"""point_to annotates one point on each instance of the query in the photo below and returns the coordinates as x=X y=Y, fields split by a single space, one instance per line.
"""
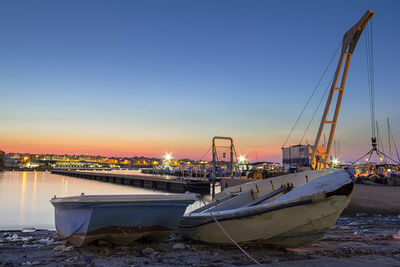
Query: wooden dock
x=153 y=182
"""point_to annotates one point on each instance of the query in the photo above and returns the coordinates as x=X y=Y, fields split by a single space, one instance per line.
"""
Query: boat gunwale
x=125 y=198
x=254 y=211
x=249 y=214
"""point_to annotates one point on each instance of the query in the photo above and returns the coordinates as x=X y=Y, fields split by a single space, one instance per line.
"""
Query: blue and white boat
x=118 y=219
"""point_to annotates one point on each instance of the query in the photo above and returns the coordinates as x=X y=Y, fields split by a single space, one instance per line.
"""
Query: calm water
x=24 y=196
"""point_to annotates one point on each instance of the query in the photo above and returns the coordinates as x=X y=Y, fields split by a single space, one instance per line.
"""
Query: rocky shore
x=357 y=241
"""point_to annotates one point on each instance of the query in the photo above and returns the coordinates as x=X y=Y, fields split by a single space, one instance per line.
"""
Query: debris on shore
x=357 y=241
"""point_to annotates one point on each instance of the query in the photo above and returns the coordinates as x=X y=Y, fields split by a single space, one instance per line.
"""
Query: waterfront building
x=2 y=158
x=298 y=155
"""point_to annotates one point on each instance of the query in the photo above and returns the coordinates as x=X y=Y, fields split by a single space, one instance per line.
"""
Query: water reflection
x=34 y=194
x=22 y=199
x=24 y=196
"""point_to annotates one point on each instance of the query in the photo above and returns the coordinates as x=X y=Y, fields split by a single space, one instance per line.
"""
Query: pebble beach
x=363 y=240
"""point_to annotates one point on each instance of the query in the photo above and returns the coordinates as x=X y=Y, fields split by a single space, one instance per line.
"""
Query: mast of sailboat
x=380 y=144
x=319 y=159
x=390 y=147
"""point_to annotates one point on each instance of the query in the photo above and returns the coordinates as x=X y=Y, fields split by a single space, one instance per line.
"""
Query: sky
x=126 y=78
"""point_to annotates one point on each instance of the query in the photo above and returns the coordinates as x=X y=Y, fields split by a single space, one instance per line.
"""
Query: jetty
x=160 y=183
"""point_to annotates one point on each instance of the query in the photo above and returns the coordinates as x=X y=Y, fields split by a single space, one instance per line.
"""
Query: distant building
x=2 y=158
x=298 y=155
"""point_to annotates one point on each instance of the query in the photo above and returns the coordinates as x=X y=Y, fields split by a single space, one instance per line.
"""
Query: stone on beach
x=179 y=246
x=105 y=251
x=340 y=247
x=68 y=249
x=59 y=248
x=397 y=236
x=46 y=241
x=148 y=251
x=31 y=263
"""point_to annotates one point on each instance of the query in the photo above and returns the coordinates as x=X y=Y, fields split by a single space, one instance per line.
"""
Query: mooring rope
x=233 y=241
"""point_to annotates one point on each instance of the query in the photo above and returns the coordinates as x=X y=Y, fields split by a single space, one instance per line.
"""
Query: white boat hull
x=291 y=223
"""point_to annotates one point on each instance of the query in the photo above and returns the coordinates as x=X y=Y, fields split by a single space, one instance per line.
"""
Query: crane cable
x=370 y=72
x=312 y=94
x=316 y=109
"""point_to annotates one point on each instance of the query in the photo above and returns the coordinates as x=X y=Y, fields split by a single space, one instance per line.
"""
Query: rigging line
x=394 y=143
x=380 y=140
x=369 y=81
x=369 y=158
x=315 y=112
x=395 y=161
x=205 y=154
x=360 y=158
x=372 y=65
x=309 y=99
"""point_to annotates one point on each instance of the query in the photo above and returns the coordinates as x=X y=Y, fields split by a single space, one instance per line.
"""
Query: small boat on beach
x=286 y=211
x=119 y=219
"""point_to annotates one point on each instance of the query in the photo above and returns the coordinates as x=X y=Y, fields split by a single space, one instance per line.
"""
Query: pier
x=159 y=183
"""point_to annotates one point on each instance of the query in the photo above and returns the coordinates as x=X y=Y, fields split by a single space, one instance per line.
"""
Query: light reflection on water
x=24 y=196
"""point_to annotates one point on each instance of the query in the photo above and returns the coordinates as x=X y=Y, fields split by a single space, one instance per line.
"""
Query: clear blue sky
x=148 y=77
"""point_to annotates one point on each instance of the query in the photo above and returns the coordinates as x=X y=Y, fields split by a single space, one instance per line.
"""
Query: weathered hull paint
x=118 y=222
x=285 y=222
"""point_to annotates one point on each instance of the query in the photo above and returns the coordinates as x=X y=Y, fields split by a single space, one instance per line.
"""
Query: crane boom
x=319 y=159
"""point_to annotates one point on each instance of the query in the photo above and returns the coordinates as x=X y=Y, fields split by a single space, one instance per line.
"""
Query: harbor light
x=335 y=161
x=167 y=156
x=366 y=160
x=242 y=159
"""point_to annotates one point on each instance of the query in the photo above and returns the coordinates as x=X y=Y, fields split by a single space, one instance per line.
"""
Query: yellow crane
x=319 y=158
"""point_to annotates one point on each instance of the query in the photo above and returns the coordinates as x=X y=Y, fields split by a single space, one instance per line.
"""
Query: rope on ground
x=233 y=241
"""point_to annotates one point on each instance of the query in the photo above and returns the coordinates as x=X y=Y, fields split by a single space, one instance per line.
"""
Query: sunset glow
x=142 y=82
